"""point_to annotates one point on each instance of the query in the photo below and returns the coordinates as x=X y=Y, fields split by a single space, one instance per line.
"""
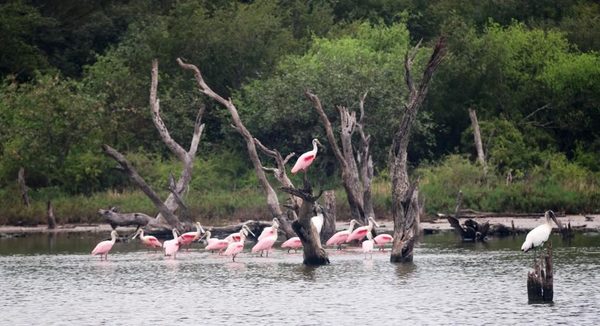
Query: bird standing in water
x=105 y=246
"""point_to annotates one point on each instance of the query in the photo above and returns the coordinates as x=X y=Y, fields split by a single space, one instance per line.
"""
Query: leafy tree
x=339 y=71
x=50 y=127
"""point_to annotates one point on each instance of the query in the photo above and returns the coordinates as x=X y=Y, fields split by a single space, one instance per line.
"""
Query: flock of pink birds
x=234 y=243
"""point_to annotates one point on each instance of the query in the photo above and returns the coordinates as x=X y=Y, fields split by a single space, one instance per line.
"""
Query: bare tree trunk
x=314 y=254
x=50 y=216
x=167 y=208
x=329 y=221
x=356 y=183
x=272 y=200
x=477 y=139
x=402 y=198
x=23 y=187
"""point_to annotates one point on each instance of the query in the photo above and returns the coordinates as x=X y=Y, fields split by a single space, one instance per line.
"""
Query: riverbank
x=582 y=223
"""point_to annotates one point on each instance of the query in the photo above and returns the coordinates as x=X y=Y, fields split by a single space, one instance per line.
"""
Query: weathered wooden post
x=329 y=213
x=50 y=216
x=540 y=281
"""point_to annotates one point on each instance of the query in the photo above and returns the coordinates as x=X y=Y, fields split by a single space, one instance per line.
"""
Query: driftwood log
x=314 y=254
x=405 y=197
x=470 y=231
x=540 y=281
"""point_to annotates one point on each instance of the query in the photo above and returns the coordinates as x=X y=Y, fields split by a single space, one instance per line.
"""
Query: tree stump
x=314 y=254
x=50 y=217
x=329 y=215
x=540 y=284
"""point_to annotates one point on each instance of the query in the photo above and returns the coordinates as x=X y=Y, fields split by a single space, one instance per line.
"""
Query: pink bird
x=341 y=236
x=236 y=247
x=105 y=246
x=148 y=240
x=235 y=237
x=188 y=238
x=266 y=243
x=215 y=244
x=172 y=246
x=362 y=231
x=367 y=245
x=306 y=159
x=382 y=239
x=292 y=243
x=268 y=230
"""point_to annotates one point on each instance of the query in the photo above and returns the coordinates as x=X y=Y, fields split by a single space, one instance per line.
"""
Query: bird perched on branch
x=306 y=159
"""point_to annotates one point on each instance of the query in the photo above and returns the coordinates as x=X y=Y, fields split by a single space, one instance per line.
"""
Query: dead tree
x=166 y=217
x=540 y=281
x=23 y=187
x=402 y=198
x=314 y=254
x=272 y=200
x=477 y=140
x=329 y=207
x=356 y=177
x=50 y=216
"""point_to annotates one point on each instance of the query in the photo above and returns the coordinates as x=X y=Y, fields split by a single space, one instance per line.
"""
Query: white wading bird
x=538 y=236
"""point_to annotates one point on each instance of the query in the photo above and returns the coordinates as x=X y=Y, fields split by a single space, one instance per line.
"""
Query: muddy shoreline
x=579 y=223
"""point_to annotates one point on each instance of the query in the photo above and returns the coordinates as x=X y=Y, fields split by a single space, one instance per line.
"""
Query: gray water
x=52 y=280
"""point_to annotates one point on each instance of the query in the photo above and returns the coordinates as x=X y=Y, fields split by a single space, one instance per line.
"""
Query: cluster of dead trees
x=351 y=149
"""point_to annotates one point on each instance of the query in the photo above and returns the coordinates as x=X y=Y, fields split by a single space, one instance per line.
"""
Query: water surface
x=52 y=280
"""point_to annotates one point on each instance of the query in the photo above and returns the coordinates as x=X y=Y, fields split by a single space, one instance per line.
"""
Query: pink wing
x=102 y=247
x=264 y=244
x=217 y=245
x=338 y=238
x=293 y=243
x=383 y=239
x=358 y=234
x=234 y=248
x=154 y=242
x=303 y=162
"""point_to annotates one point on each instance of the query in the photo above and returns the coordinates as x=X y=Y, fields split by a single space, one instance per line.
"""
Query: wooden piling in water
x=540 y=281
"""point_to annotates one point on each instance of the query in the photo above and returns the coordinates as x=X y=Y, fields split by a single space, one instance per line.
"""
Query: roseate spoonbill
x=268 y=230
x=147 y=240
x=292 y=243
x=105 y=246
x=362 y=231
x=306 y=159
x=340 y=237
x=172 y=246
x=538 y=236
x=187 y=238
x=236 y=247
x=266 y=243
x=367 y=245
x=382 y=239
x=235 y=237
x=215 y=244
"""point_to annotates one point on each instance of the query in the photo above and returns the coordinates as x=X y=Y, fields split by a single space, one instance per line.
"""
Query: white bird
x=367 y=245
x=536 y=237
x=317 y=221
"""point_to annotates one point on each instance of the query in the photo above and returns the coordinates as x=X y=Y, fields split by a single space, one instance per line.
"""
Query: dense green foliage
x=75 y=75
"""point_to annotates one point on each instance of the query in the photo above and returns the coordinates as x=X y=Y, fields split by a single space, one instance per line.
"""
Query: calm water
x=52 y=280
